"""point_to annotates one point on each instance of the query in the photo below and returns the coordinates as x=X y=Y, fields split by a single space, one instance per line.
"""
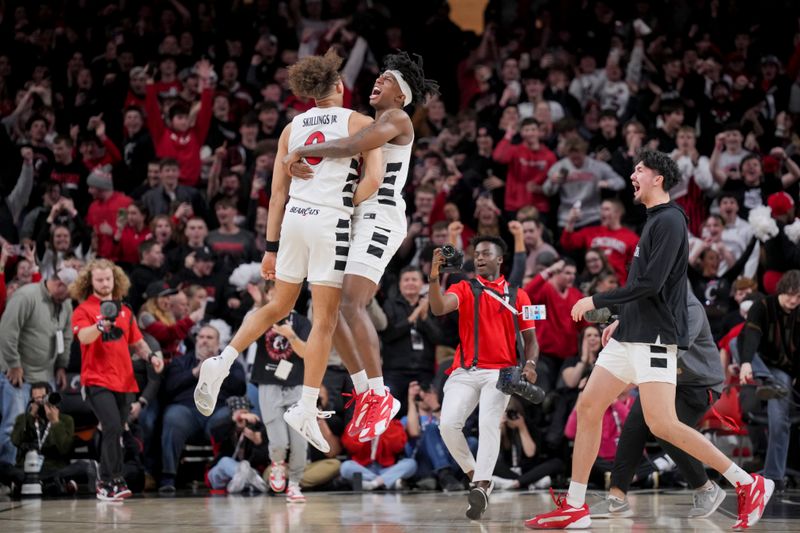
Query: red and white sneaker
x=752 y=500
x=277 y=476
x=356 y=425
x=380 y=411
x=564 y=517
x=294 y=495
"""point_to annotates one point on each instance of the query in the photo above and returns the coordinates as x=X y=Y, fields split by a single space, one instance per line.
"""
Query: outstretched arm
x=383 y=130
x=280 y=189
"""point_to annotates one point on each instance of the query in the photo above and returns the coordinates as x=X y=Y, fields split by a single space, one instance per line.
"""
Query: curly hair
x=81 y=288
x=314 y=76
x=411 y=69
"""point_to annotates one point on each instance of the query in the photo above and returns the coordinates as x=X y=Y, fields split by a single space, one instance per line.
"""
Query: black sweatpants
x=691 y=403
x=111 y=409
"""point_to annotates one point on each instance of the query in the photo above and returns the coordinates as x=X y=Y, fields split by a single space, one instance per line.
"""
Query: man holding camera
x=107 y=330
x=491 y=320
x=44 y=431
x=34 y=346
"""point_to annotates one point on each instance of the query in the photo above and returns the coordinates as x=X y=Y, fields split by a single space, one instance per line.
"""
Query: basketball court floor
x=363 y=513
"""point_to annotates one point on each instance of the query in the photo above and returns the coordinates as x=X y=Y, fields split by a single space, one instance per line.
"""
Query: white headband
x=404 y=87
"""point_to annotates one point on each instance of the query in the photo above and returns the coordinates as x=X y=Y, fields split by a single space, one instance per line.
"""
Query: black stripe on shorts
x=379 y=238
x=339 y=265
x=374 y=250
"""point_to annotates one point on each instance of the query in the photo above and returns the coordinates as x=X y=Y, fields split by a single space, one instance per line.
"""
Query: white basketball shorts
x=372 y=246
x=314 y=244
x=637 y=363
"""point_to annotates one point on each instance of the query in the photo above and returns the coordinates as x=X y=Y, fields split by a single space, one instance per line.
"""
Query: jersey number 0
x=315 y=138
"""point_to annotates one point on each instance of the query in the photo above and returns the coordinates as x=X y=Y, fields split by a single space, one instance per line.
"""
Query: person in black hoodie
x=652 y=325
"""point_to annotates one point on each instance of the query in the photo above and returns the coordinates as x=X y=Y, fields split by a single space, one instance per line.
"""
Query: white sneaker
x=306 y=424
x=293 y=494
x=501 y=483
x=240 y=478
x=256 y=482
x=213 y=372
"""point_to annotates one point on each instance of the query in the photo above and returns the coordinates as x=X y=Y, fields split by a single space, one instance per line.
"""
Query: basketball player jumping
x=379 y=227
x=653 y=323
x=307 y=237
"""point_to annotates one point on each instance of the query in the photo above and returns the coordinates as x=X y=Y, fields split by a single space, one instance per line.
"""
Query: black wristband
x=272 y=246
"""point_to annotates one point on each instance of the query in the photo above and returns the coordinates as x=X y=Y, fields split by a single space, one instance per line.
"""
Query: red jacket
x=100 y=212
x=185 y=147
x=390 y=444
x=170 y=337
x=128 y=247
x=558 y=333
x=619 y=245
x=111 y=156
x=524 y=166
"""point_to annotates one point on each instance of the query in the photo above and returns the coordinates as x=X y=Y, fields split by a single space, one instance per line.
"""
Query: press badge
x=283 y=370
x=59 y=342
x=534 y=312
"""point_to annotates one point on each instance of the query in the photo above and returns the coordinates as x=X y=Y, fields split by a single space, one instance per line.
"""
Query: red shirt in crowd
x=496 y=338
x=619 y=245
x=184 y=147
x=111 y=156
x=558 y=333
x=129 y=243
x=390 y=444
x=106 y=211
x=525 y=167
x=107 y=363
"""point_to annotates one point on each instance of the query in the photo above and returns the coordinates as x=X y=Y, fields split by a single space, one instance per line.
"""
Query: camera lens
x=53 y=399
x=448 y=251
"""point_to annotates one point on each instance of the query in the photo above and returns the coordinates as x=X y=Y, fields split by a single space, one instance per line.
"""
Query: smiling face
x=594 y=263
x=411 y=285
x=386 y=93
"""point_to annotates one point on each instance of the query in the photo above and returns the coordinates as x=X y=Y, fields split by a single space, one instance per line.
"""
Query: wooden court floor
x=362 y=513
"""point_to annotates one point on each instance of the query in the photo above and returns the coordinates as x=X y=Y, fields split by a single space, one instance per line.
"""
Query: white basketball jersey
x=387 y=202
x=334 y=179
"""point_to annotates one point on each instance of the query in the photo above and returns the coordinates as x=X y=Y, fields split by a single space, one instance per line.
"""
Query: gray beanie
x=100 y=178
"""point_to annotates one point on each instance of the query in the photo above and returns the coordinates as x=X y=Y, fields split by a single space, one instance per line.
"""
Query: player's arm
x=373 y=134
x=280 y=188
x=372 y=176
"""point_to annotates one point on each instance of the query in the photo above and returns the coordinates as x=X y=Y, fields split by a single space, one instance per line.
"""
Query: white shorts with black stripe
x=638 y=363
x=314 y=244
x=372 y=246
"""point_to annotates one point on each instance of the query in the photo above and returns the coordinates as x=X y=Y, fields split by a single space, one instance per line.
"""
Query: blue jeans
x=252 y=395
x=402 y=469
x=147 y=422
x=222 y=473
x=180 y=424
x=432 y=454
x=13 y=401
x=778 y=417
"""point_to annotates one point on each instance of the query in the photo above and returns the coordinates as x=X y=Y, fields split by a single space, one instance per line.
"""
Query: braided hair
x=413 y=73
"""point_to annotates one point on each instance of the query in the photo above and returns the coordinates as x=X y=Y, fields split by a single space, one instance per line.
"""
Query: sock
x=309 y=399
x=377 y=386
x=229 y=354
x=736 y=476
x=576 y=495
x=360 y=382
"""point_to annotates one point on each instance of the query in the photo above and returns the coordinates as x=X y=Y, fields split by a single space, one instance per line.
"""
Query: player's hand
x=301 y=170
x=580 y=308
x=268 y=265
x=608 y=332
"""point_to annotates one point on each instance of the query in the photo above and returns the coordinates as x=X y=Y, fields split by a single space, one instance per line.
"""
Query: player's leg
x=214 y=370
x=302 y=416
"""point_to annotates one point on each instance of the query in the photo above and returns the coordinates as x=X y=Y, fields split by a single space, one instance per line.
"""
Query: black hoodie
x=652 y=305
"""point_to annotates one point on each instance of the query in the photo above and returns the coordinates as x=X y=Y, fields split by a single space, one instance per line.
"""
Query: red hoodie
x=524 y=166
x=185 y=147
x=558 y=333
x=619 y=245
x=111 y=156
x=390 y=444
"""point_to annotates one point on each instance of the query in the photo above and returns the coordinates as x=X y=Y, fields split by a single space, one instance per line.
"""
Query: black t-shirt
x=752 y=196
x=272 y=348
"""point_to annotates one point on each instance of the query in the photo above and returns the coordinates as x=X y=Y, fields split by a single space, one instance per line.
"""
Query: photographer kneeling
x=106 y=328
x=490 y=317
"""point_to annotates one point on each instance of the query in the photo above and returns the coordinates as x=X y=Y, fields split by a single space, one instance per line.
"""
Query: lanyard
x=43 y=437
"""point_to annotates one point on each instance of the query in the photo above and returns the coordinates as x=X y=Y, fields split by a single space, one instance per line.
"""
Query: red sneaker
x=356 y=425
x=753 y=498
x=564 y=517
x=380 y=411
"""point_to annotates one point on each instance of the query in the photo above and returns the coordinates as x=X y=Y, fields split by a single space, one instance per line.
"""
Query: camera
x=512 y=381
x=453 y=259
x=109 y=310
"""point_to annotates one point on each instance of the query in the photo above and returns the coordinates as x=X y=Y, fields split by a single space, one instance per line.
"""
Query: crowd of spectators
x=145 y=133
